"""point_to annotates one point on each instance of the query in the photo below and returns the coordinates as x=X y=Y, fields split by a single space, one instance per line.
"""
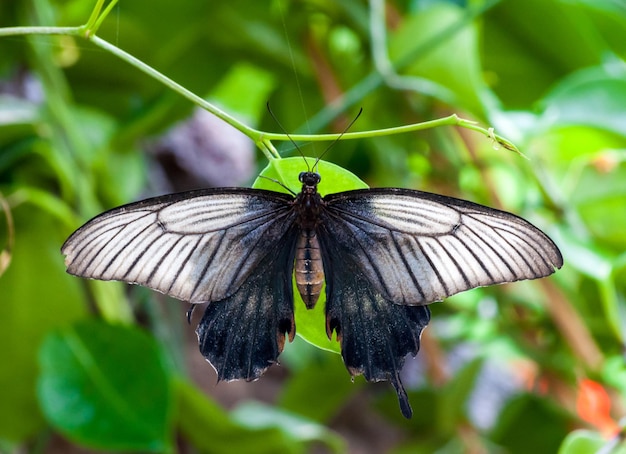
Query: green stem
x=96 y=26
x=95 y=13
x=452 y=120
x=20 y=31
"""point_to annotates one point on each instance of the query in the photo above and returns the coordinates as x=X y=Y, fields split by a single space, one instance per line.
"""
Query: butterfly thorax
x=308 y=203
x=308 y=267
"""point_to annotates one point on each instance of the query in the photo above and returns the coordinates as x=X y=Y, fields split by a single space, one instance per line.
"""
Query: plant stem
x=92 y=31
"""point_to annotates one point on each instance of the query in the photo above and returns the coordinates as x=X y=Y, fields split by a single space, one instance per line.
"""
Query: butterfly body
x=384 y=255
x=309 y=269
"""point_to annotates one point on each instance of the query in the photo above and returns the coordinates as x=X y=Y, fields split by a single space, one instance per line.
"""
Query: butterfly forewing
x=197 y=246
x=417 y=247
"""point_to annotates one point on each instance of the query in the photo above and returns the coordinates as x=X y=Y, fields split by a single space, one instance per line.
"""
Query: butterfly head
x=309 y=180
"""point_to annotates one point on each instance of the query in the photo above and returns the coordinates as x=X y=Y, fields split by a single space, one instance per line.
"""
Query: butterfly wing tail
x=375 y=334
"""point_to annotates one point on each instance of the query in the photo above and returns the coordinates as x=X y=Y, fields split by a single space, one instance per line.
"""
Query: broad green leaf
x=105 y=387
x=123 y=175
x=564 y=145
x=310 y=324
x=334 y=178
x=527 y=47
x=36 y=295
x=453 y=398
x=614 y=373
x=245 y=90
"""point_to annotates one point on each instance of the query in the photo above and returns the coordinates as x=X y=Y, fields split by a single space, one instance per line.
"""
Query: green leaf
x=310 y=324
x=36 y=296
x=614 y=373
x=454 y=396
x=527 y=47
x=253 y=427
x=562 y=145
x=585 y=258
x=210 y=429
x=245 y=90
x=585 y=442
x=106 y=387
x=590 y=97
x=287 y=170
x=441 y=50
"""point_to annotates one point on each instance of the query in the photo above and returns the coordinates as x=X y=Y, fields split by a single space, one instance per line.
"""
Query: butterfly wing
x=389 y=252
x=197 y=246
x=416 y=247
x=233 y=248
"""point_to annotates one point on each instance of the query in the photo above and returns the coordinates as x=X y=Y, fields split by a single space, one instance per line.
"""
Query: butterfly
x=384 y=254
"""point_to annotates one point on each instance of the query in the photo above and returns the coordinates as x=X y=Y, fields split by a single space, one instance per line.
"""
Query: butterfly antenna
x=279 y=183
x=332 y=144
x=287 y=134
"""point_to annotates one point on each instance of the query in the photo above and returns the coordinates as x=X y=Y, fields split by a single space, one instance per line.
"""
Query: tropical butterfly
x=384 y=255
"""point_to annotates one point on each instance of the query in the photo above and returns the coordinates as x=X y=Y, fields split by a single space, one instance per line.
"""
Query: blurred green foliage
x=530 y=366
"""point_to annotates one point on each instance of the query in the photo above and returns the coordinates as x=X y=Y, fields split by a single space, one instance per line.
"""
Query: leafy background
x=529 y=366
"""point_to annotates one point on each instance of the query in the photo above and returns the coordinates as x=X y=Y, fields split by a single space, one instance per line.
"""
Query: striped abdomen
x=309 y=269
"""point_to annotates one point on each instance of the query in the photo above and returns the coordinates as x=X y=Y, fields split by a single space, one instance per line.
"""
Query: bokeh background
x=526 y=367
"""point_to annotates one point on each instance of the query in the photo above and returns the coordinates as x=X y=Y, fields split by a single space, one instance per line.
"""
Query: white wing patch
x=430 y=219
x=197 y=249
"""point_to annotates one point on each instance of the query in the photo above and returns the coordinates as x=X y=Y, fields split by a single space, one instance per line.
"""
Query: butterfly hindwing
x=417 y=248
x=375 y=334
x=243 y=334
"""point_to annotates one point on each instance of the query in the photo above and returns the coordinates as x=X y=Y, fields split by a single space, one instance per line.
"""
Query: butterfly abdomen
x=309 y=269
